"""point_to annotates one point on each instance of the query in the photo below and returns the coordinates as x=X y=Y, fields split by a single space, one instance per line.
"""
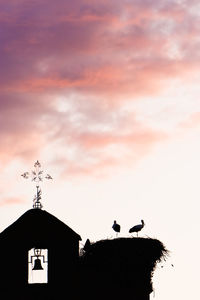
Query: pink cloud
x=193 y=121
x=95 y=152
x=100 y=54
x=11 y=201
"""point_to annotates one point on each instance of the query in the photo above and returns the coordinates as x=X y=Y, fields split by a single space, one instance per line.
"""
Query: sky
x=105 y=94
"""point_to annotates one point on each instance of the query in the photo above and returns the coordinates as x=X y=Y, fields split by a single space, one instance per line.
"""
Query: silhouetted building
x=39 y=241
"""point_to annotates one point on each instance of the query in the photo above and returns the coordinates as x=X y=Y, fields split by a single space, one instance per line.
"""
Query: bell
x=37 y=264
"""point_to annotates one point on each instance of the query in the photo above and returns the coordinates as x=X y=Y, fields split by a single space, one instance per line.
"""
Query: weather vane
x=37 y=176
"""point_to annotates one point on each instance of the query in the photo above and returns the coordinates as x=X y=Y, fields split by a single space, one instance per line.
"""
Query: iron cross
x=37 y=175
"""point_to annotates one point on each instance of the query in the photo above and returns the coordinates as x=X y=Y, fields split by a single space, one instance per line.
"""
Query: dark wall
x=62 y=262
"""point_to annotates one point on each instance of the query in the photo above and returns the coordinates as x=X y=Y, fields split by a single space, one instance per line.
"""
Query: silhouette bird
x=116 y=227
x=137 y=228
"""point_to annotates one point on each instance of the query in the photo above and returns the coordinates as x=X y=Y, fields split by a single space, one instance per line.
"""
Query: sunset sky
x=105 y=94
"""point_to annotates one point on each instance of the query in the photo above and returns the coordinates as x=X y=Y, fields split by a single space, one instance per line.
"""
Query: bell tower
x=37 y=258
x=38 y=248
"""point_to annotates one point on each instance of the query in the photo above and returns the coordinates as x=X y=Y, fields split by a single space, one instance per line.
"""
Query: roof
x=37 y=224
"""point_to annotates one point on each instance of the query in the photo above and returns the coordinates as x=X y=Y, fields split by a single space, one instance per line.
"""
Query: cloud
x=68 y=69
x=48 y=47
x=193 y=121
x=11 y=201
x=21 y=127
x=93 y=141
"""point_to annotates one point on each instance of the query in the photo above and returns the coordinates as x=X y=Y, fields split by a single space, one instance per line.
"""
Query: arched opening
x=37 y=266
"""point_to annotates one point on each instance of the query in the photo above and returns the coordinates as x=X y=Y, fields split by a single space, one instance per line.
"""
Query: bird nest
x=130 y=260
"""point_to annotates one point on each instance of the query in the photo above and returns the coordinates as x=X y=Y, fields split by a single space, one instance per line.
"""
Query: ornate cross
x=37 y=176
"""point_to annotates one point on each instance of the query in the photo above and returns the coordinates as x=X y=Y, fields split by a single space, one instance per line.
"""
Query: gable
x=41 y=225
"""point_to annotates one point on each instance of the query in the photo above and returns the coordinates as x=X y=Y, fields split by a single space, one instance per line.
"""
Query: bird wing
x=135 y=228
x=116 y=227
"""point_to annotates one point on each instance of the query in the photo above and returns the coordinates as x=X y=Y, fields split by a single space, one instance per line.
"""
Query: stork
x=116 y=227
x=137 y=228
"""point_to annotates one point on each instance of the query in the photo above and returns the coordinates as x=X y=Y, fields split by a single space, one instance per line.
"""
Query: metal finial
x=37 y=176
